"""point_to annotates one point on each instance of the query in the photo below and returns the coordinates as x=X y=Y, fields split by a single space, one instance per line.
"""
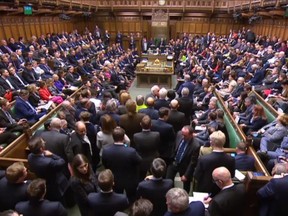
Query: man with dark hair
x=13 y=186
x=185 y=157
x=37 y=205
x=167 y=135
x=146 y=144
x=141 y=207
x=107 y=202
x=155 y=187
x=48 y=166
x=124 y=162
x=243 y=162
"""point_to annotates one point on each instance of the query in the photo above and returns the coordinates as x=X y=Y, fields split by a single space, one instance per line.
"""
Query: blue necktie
x=180 y=151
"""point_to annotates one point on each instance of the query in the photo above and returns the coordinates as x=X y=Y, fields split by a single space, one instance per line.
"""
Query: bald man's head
x=174 y=104
x=222 y=177
x=150 y=102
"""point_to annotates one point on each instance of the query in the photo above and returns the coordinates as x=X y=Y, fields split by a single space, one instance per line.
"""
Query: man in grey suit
x=56 y=142
x=146 y=144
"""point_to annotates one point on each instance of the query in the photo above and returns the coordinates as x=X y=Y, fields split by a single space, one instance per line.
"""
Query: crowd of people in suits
x=102 y=145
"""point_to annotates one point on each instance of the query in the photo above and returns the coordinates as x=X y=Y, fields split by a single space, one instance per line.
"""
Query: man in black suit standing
x=207 y=163
x=37 y=205
x=229 y=201
x=107 y=202
x=48 y=166
x=176 y=118
x=124 y=162
x=146 y=144
x=150 y=110
x=13 y=186
x=154 y=188
x=186 y=105
x=167 y=135
x=185 y=157
x=57 y=142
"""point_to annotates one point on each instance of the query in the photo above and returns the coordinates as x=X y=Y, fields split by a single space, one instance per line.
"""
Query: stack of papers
x=199 y=196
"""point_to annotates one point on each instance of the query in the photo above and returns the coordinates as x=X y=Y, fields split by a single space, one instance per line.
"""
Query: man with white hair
x=229 y=201
x=154 y=92
x=161 y=101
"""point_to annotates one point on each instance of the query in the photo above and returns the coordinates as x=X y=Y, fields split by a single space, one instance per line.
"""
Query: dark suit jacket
x=195 y=209
x=4 y=121
x=56 y=142
x=51 y=169
x=107 y=204
x=123 y=162
x=43 y=208
x=273 y=197
x=186 y=106
x=244 y=162
x=131 y=124
x=167 y=137
x=206 y=165
x=155 y=190
x=29 y=76
x=77 y=145
x=12 y=194
x=17 y=82
x=161 y=103
x=146 y=144
x=176 y=119
x=81 y=190
x=189 y=160
x=23 y=110
x=151 y=112
x=228 y=202
x=6 y=86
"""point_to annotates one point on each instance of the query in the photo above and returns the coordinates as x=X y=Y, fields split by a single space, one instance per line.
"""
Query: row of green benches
x=252 y=181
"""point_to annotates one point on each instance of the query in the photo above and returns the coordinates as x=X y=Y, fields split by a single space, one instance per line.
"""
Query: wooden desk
x=149 y=74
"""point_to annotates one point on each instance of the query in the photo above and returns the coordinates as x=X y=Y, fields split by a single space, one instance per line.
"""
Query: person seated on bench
x=243 y=162
x=23 y=109
x=272 y=138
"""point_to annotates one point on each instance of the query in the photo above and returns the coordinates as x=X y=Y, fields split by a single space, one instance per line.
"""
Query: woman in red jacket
x=45 y=94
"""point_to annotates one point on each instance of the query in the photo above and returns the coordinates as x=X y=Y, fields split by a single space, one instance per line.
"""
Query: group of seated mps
x=39 y=75
x=101 y=146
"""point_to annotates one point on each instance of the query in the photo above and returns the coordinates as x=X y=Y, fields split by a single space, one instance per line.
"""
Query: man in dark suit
x=243 y=162
x=188 y=84
x=186 y=105
x=28 y=74
x=56 y=142
x=207 y=163
x=6 y=82
x=17 y=78
x=273 y=195
x=167 y=135
x=203 y=118
x=146 y=144
x=37 y=205
x=150 y=111
x=79 y=143
x=107 y=202
x=13 y=186
x=124 y=162
x=185 y=157
x=23 y=109
x=7 y=120
x=48 y=166
x=176 y=118
x=229 y=201
x=245 y=117
x=161 y=101
x=154 y=188
x=177 y=201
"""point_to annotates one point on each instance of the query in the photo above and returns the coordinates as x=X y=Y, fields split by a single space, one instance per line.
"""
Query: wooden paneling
x=27 y=26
